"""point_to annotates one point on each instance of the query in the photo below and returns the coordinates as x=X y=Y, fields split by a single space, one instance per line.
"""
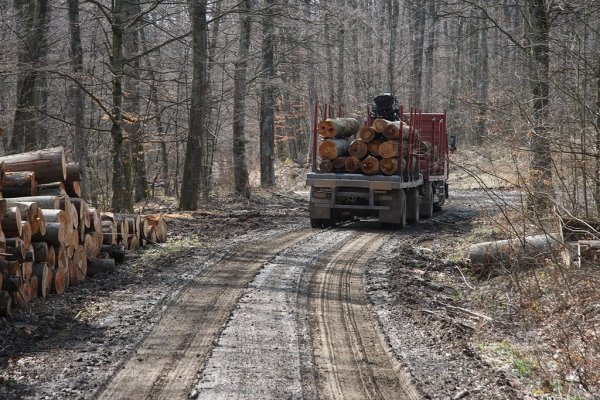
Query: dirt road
x=265 y=308
x=350 y=358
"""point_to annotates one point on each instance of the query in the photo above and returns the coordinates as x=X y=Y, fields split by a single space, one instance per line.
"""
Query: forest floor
x=245 y=300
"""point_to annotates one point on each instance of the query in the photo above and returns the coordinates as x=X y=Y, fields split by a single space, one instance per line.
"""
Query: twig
x=473 y=313
x=448 y=319
x=464 y=278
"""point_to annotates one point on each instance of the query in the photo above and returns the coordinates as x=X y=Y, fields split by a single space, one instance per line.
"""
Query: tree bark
x=194 y=178
x=394 y=14
x=541 y=196
x=417 y=39
x=19 y=184
x=332 y=148
x=33 y=23
x=338 y=127
x=49 y=165
x=267 y=101
x=482 y=84
x=121 y=163
x=77 y=94
x=429 y=55
x=240 y=163
x=132 y=103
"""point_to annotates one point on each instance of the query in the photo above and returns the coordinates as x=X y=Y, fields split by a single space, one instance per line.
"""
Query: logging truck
x=392 y=165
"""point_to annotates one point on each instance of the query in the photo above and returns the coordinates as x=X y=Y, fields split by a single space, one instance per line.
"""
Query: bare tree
x=538 y=47
x=32 y=20
x=121 y=176
x=240 y=163
x=267 y=101
x=132 y=102
x=77 y=94
x=417 y=41
x=193 y=179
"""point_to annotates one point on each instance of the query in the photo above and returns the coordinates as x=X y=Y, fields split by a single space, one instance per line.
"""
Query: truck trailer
x=343 y=186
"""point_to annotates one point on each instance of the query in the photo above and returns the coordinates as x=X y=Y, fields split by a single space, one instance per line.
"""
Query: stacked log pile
x=382 y=148
x=51 y=238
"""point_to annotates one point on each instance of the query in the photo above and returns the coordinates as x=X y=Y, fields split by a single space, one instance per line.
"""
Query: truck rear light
x=385 y=198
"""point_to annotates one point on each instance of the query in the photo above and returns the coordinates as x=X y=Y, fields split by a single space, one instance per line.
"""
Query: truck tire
x=315 y=223
x=426 y=209
x=412 y=206
x=402 y=197
x=401 y=222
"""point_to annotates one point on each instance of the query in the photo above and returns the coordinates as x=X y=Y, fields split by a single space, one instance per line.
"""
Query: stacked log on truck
x=50 y=237
x=381 y=149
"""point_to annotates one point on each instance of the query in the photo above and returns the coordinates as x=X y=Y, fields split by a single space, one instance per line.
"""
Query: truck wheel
x=412 y=206
x=426 y=209
x=398 y=221
x=315 y=223
x=402 y=202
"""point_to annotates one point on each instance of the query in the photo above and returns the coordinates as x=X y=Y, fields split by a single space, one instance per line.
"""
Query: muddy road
x=262 y=306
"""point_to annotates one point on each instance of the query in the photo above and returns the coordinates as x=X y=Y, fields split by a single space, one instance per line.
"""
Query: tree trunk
x=240 y=163
x=394 y=14
x=352 y=164
x=33 y=23
x=41 y=86
x=193 y=178
x=373 y=147
x=77 y=94
x=429 y=56
x=100 y=266
x=43 y=274
x=541 y=196
x=367 y=134
x=121 y=173
x=131 y=103
x=392 y=148
x=482 y=83
x=312 y=80
x=358 y=148
x=530 y=249
x=19 y=184
x=392 y=131
x=390 y=166
x=267 y=100
x=48 y=164
x=456 y=75
x=326 y=166
x=417 y=39
x=332 y=148
x=370 y=166
x=338 y=127
x=597 y=141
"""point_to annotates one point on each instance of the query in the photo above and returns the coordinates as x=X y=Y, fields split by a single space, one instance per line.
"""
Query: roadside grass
x=93 y=310
x=507 y=356
x=158 y=251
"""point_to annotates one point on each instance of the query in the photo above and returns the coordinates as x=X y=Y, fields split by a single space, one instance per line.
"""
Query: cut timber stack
x=50 y=238
x=383 y=148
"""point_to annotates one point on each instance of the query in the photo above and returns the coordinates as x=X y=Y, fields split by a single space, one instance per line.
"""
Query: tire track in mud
x=303 y=330
x=264 y=352
x=165 y=364
x=352 y=359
